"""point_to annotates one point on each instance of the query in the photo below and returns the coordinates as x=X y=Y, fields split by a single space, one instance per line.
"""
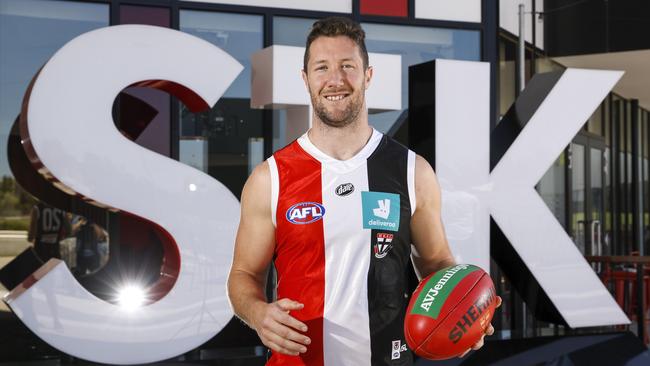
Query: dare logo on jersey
x=305 y=212
x=345 y=189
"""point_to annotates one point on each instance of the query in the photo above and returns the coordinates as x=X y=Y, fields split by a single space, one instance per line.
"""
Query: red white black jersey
x=343 y=249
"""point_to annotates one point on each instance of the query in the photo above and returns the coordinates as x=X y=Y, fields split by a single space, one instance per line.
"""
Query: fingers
x=283 y=344
x=292 y=322
x=476 y=346
x=288 y=304
x=287 y=333
x=276 y=348
x=280 y=331
x=490 y=330
x=479 y=344
x=498 y=301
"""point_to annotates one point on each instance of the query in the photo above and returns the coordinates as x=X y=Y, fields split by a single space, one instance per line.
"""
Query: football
x=449 y=311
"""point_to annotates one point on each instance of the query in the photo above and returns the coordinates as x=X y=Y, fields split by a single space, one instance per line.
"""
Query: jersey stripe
x=299 y=252
x=410 y=177
x=347 y=340
x=387 y=276
x=275 y=189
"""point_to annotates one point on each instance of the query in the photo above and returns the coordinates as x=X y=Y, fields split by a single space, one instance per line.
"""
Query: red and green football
x=449 y=311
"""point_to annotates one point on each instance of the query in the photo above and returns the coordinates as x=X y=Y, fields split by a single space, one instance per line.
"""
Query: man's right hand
x=278 y=330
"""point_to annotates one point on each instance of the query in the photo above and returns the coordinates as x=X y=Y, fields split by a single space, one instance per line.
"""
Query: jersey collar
x=341 y=165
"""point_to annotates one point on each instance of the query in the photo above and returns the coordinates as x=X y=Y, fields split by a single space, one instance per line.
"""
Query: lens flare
x=131 y=297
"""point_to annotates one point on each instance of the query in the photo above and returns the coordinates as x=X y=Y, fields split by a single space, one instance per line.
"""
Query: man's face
x=336 y=80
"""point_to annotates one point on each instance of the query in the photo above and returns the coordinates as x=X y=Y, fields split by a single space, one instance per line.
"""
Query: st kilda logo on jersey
x=383 y=245
x=305 y=212
x=344 y=189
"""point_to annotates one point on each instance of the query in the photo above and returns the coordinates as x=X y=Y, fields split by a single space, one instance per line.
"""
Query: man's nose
x=336 y=77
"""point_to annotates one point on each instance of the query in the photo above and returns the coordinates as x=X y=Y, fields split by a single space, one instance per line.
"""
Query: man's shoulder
x=261 y=176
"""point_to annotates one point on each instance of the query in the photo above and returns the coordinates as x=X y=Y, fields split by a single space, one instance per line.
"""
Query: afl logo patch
x=305 y=213
x=344 y=189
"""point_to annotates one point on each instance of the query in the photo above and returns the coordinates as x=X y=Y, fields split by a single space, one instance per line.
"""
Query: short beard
x=343 y=119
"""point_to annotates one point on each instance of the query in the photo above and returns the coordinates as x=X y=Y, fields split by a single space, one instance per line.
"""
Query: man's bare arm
x=431 y=250
x=254 y=248
x=33 y=222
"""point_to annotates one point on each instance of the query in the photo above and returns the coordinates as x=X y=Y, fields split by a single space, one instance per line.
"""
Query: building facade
x=591 y=188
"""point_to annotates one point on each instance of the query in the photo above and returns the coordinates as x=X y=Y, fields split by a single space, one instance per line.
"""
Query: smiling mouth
x=334 y=98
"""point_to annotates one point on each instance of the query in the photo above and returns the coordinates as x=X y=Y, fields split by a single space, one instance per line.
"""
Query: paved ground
x=12 y=242
x=3 y=290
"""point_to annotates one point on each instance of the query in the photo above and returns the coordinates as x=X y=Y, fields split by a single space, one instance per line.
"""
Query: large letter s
x=69 y=136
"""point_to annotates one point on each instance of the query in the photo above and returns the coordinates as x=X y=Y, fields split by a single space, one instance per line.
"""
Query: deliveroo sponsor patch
x=380 y=210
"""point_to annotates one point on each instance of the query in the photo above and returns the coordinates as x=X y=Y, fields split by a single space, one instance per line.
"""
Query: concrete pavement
x=12 y=243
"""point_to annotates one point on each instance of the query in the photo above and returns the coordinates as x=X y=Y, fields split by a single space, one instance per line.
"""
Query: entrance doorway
x=587 y=174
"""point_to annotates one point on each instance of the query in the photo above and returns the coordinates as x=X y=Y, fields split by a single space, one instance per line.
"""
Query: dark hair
x=337 y=26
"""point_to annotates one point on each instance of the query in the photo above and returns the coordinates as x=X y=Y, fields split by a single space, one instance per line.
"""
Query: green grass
x=14 y=223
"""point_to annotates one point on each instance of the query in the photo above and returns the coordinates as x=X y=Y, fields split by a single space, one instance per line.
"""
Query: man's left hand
x=489 y=331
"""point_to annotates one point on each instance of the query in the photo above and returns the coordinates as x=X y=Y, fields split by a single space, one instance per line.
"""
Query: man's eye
x=348 y=66
x=321 y=68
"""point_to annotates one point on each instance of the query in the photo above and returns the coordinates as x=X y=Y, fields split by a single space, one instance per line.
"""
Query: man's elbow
x=425 y=268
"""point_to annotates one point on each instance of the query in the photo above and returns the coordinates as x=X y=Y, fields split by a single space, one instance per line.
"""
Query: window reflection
x=30 y=32
x=54 y=233
x=506 y=75
x=288 y=32
x=224 y=141
x=417 y=45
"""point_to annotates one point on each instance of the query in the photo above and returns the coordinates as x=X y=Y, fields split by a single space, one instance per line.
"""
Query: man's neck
x=340 y=143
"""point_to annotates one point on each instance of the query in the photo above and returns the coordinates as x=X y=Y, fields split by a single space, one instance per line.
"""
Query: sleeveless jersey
x=343 y=249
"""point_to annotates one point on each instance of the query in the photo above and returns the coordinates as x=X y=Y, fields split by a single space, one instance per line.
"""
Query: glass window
x=643 y=118
x=414 y=44
x=417 y=45
x=552 y=189
x=507 y=82
x=578 y=228
x=607 y=125
x=154 y=133
x=595 y=122
x=31 y=31
x=226 y=141
x=288 y=32
x=544 y=64
x=291 y=31
x=608 y=238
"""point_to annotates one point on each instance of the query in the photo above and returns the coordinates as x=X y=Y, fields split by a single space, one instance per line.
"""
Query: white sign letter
x=69 y=134
x=471 y=193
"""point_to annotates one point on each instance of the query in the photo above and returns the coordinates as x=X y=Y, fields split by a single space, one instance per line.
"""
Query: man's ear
x=304 y=78
x=368 y=76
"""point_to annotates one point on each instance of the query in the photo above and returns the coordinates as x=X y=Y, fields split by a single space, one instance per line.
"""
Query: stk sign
x=70 y=137
x=472 y=193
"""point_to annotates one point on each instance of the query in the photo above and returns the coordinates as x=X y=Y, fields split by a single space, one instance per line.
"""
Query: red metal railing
x=628 y=278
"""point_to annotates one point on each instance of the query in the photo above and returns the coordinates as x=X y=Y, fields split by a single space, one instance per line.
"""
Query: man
x=337 y=211
x=48 y=225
